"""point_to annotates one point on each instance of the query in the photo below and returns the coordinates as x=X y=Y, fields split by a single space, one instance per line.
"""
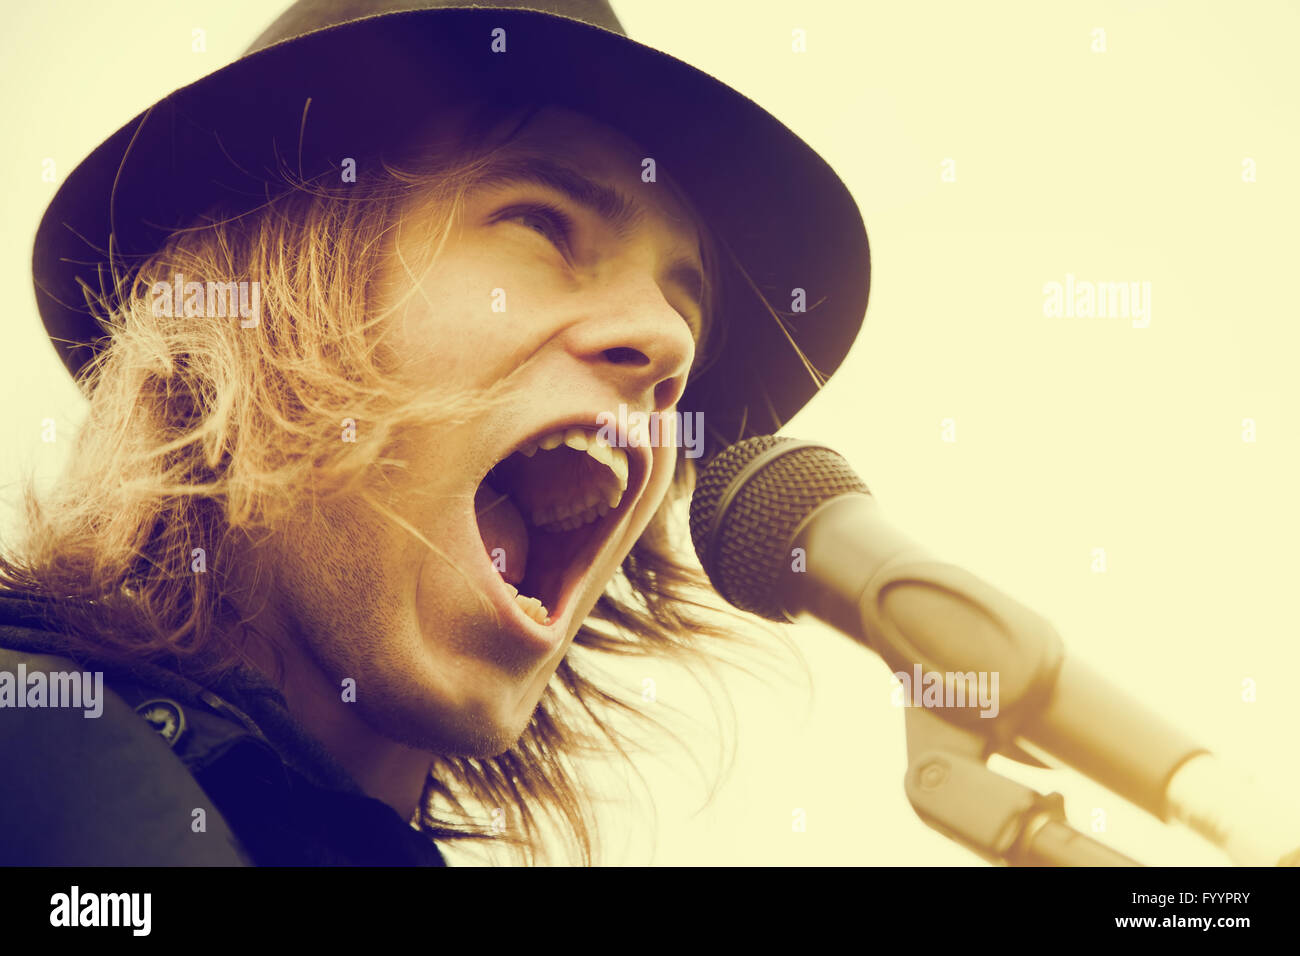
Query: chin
x=469 y=735
x=481 y=720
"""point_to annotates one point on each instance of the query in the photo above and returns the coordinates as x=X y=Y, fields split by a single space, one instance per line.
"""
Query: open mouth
x=545 y=511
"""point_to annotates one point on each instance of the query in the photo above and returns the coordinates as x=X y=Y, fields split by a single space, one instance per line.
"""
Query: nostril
x=626 y=356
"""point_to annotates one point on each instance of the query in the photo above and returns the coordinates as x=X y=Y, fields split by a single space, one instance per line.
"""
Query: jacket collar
x=216 y=715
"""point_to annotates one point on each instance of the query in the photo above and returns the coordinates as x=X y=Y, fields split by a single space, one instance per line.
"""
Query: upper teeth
x=573 y=514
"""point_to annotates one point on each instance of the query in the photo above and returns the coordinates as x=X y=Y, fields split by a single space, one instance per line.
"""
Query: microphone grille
x=747 y=506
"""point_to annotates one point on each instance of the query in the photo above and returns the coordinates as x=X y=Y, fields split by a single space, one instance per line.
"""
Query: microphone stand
x=954 y=792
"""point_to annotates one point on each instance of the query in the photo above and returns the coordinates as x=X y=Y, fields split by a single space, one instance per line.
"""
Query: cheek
x=473 y=325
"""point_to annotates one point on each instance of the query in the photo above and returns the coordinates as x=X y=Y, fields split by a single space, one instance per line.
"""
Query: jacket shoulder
x=94 y=784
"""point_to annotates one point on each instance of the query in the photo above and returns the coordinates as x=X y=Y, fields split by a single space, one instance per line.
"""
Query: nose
x=644 y=348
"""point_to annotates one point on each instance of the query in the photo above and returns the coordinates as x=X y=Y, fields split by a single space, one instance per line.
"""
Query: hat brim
x=780 y=209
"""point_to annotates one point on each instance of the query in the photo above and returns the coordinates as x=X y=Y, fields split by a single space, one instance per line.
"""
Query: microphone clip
x=954 y=792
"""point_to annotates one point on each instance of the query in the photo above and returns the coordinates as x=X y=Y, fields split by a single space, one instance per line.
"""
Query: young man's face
x=585 y=324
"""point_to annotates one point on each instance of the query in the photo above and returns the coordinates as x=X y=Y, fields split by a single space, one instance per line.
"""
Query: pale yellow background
x=1072 y=434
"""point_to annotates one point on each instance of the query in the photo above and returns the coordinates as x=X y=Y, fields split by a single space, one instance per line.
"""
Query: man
x=373 y=432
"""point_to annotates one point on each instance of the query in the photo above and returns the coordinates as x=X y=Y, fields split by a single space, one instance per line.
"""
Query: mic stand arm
x=953 y=791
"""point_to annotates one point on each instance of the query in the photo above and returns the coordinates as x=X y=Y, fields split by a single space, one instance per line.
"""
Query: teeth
x=534 y=608
x=531 y=606
x=567 y=515
x=564 y=512
x=595 y=445
x=553 y=519
x=615 y=459
x=618 y=464
x=602 y=453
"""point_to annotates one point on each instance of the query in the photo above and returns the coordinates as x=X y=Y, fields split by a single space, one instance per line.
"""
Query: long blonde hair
x=200 y=434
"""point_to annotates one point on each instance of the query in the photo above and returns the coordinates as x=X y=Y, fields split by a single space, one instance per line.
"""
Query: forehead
x=559 y=141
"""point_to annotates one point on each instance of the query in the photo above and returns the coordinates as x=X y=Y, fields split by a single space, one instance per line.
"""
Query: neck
x=389 y=771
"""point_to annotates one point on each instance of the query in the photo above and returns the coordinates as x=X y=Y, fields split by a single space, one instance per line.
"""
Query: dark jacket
x=122 y=789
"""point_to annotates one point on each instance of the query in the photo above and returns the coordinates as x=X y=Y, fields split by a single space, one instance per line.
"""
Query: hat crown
x=309 y=16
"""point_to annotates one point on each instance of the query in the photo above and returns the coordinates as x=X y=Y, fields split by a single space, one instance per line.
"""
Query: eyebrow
x=621 y=213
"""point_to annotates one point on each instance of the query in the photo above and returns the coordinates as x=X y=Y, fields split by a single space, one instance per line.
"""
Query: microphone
x=787 y=530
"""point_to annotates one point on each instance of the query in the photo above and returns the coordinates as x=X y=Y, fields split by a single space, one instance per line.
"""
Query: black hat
x=364 y=66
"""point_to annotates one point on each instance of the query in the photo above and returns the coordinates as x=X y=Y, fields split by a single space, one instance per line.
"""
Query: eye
x=557 y=225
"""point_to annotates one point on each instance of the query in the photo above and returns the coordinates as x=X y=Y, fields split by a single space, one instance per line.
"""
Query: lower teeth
x=529 y=605
x=534 y=608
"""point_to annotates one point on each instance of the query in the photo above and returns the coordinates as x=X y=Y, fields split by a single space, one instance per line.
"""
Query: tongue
x=502 y=527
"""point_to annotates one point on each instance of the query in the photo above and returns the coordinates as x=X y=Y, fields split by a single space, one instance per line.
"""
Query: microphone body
x=870 y=581
x=786 y=530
